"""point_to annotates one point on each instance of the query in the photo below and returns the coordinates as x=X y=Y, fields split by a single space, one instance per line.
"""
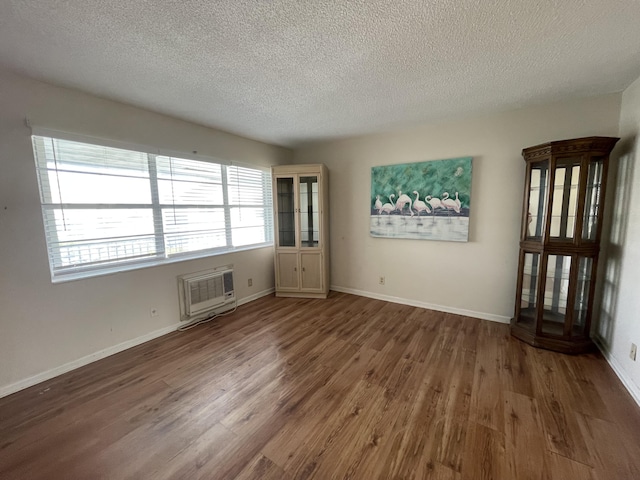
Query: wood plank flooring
x=347 y=387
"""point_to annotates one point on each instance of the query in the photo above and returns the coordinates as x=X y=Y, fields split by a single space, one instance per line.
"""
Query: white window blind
x=108 y=209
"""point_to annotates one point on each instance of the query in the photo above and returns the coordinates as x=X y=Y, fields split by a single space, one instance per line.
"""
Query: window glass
x=107 y=209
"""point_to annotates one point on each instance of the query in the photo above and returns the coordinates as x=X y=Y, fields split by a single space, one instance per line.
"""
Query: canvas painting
x=424 y=200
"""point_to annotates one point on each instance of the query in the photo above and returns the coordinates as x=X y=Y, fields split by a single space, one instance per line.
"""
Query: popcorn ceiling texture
x=295 y=71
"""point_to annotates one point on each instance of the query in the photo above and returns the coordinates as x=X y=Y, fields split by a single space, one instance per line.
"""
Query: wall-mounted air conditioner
x=203 y=293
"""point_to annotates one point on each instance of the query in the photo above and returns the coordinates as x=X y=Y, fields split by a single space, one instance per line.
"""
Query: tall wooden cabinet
x=560 y=241
x=301 y=207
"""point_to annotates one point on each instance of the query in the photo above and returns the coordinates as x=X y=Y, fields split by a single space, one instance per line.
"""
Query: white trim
x=81 y=362
x=414 y=303
x=256 y=296
x=107 y=352
x=629 y=384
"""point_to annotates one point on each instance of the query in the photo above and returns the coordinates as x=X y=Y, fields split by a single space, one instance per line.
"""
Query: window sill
x=154 y=262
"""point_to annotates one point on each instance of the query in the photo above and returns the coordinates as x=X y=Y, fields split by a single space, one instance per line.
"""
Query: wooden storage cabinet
x=301 y=217
x=287 y=271
x=560 y=242
x=311 y=273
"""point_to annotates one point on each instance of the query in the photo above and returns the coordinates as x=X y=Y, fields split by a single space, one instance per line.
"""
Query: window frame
x=160 y=257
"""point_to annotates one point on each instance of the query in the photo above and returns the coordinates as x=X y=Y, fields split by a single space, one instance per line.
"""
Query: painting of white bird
x=450 y=203
x=433 y=180
x=378 y=204
x=418 y=205
x=435 y=203
x=402 y=201
x=388 y=207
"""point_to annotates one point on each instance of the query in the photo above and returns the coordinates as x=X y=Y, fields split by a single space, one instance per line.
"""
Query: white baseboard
x=629 y=384
x=93 y=357
x=81 y=362
x=414 y=303
x=256 y=296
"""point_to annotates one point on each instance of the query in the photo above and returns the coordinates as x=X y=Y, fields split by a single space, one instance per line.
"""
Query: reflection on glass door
x=556 y=290
x=565 y=199
x=592 y=200
x=286 y=213
x=309 y=212
x=538 y=185
x=529 y=291
x=581 y=306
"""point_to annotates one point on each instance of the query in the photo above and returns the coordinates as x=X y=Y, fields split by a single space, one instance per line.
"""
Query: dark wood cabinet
x=560 y=241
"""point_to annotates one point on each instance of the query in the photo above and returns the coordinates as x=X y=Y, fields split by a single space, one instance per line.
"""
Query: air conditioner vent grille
x=204 y=290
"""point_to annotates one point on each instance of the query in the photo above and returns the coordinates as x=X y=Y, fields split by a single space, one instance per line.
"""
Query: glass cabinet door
x=581 y=305
x=592 y=199
x=564 y=204
x=538 y=186
x=286 y=236
x=309 y=212
x=529 y=292
x=556 y=290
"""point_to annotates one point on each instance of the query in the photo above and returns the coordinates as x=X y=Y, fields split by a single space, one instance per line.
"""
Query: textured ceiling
x=296 y=71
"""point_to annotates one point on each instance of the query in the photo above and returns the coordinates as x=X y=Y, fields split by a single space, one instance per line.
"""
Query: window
x=109 y=209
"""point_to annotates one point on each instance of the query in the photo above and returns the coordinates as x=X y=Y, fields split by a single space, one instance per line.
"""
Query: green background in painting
x=428 y=178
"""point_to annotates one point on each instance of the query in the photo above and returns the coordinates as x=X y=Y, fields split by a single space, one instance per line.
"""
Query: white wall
x=620 y=306
x=477 y=277
x=47 y=328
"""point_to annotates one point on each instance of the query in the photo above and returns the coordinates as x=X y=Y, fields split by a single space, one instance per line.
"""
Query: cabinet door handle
x=295 y=269
x=303 y=269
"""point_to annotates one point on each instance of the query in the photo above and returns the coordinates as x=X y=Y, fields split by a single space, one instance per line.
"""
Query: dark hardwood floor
x=347 y=387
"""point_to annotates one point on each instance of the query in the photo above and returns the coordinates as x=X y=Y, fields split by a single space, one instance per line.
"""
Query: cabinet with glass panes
x=560 y=241
x=302 y=225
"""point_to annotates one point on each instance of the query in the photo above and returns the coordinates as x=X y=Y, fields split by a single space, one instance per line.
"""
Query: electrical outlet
x=632 y=353
x=250 y=282
x=381 y=281
x=153 y=312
